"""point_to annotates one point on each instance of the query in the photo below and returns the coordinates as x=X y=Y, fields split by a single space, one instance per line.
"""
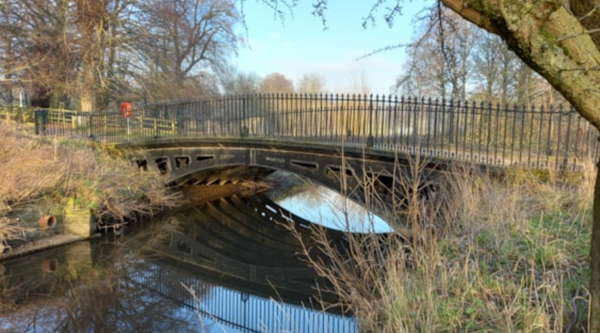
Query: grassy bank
x=478 y=254
x=48 y=173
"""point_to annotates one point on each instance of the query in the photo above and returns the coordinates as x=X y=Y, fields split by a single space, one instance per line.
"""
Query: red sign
x=126 y=109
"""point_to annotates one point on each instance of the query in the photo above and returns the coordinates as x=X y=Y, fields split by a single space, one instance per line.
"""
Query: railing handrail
x=485 y=133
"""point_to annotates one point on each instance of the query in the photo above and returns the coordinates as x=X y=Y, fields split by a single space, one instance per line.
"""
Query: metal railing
x=544 y=138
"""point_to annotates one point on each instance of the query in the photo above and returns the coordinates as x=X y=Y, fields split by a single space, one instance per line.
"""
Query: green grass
x=506 y=255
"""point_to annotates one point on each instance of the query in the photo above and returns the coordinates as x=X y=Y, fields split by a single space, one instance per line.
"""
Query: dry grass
x=47 y=172
x=475 y=254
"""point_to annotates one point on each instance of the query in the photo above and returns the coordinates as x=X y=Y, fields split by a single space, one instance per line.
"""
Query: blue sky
x=300 y=44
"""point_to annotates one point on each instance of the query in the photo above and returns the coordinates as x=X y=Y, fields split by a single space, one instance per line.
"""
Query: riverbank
x=75 y=182
x=481 y=254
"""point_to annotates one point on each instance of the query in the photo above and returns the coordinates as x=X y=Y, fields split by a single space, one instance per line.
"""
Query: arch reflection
x=234 y=254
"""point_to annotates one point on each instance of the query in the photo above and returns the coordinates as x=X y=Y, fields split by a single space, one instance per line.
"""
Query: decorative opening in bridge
x=163 y=164
x=383 y=182
x=200 y=158
x=182 y=161
x=334 y=171
x=305 y=164
x=142 y=164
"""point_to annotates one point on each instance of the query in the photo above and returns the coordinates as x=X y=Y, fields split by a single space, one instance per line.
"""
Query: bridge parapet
x=543 y=138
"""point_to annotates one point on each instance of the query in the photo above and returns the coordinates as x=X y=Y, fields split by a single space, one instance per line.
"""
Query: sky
x=300 y=44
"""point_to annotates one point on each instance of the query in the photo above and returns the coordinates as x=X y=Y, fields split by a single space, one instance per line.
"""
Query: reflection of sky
x=224 y=309
x=145 y=295
x=330 y=209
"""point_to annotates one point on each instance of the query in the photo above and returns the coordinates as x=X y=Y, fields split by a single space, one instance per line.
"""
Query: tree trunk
x=594 y=305
x=87 y=95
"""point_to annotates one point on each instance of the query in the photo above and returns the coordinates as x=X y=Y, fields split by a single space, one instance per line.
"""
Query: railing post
x=370 y=139
x=155 y=129
x=91 y=124
x=566 y=154
x=244 y=127
x=36 y=120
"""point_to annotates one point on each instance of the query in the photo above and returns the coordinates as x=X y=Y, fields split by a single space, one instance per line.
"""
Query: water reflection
x=232 y=254
x=67 y=290
x=332 y=210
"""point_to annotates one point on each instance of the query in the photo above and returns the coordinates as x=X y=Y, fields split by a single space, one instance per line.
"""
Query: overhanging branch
x=471 y=15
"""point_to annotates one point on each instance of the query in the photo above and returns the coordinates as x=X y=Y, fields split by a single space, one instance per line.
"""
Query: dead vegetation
x=481 y=255
x=49 y=172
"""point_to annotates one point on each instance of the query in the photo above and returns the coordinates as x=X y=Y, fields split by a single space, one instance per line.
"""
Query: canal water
x=224 y=266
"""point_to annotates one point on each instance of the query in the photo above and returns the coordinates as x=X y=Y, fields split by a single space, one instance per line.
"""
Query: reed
x=475 y=252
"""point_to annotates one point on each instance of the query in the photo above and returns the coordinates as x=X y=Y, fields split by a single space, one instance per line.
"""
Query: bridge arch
x=344 y=170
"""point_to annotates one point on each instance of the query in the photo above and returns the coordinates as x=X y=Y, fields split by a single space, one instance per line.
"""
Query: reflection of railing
x=554 y=138
x=234 y=249
x=229 y=307
x=47 y=291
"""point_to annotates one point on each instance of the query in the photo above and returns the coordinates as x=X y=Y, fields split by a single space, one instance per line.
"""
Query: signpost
x=126 y=112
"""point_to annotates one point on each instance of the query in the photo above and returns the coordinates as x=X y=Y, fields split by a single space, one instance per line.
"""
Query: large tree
x=98 y=52
x=183 y=38
x=560 y=40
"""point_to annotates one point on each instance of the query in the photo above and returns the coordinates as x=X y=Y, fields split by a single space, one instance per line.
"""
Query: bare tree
x=183 y=38
x=311 y=83
x=63 y=50
x=440 y=57
x=242 y=83
x=277 y=83
x=36 y=47
x=98 y=52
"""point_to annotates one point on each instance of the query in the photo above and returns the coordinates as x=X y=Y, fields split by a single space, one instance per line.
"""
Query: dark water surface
x=227 y=266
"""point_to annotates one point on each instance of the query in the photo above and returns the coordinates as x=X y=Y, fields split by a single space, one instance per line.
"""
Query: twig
x=577 y=35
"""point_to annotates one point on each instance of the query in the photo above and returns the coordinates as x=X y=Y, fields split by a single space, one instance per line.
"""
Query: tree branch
x=471 y=15
x=584 y=32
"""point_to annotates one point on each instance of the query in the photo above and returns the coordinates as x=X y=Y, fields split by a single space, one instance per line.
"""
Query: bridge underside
x=245 y=242
x=357 y=173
